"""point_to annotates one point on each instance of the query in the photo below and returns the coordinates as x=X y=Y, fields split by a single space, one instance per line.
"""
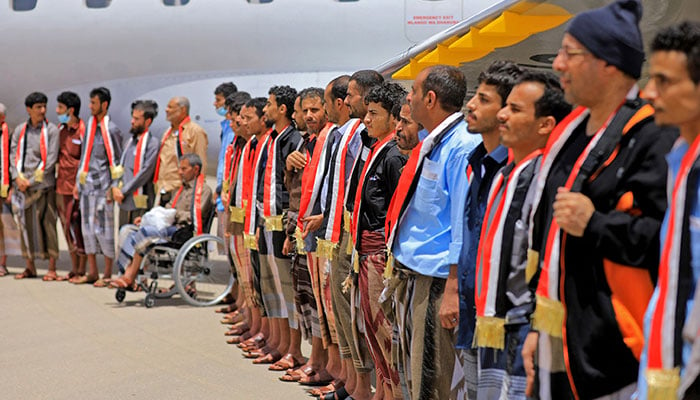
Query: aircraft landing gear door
x=424 y=18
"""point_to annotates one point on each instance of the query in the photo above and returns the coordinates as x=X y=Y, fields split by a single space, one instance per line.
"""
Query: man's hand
x=8 y=199
x=117 y=195
x=295 y=160
x=75 y=192
x=288 y=247
x=311 y=224
x=22 y=184
x=528 y=353
x=572 y=211
x=137 y=221
x=449 y=309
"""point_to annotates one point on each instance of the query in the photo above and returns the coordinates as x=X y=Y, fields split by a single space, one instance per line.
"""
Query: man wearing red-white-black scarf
x=502 y=297
x=272 y=200
x=135 y=193
x=98 y=172
x=597 y=214
x=33 y=153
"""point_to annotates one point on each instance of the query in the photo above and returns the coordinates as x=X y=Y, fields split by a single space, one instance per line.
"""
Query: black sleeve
x=632 y=238
x=393 y=167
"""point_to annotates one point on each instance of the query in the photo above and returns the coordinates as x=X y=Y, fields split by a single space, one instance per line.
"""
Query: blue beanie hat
x=611 y=33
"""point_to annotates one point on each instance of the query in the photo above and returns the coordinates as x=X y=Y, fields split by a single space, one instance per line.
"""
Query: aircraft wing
x=526 y=32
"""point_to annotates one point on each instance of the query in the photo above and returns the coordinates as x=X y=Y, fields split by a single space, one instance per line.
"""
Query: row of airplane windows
x=28 y=5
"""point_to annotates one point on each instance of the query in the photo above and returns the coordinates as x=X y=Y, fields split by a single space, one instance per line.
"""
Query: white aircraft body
x=157 y=49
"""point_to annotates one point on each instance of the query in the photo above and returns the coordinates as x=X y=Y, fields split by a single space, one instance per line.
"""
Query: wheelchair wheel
x=160 y=265
x=202 y=272
x=149 y=301
x=120 y=295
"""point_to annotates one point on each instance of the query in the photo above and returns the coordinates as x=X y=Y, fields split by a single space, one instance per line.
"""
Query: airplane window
x=97 y=3
x=23 y=5
x=175 y=2
x=259 y=1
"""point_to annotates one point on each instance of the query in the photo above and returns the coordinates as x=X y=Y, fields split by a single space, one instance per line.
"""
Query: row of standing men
x=442 y=254
x=76 y=172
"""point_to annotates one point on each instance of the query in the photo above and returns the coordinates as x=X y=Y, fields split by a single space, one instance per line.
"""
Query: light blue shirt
x=430 y=234
x=674 y=159
x=227 y=136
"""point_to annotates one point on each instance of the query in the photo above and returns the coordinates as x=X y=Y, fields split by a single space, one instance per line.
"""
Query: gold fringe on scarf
x=490 y=332
x=548 y=316
x=663 y=384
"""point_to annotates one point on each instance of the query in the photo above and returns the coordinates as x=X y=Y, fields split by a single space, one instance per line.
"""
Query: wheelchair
x=197 y=266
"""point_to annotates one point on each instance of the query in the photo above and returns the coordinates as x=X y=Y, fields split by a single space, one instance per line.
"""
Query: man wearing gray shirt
x=98 y=172
x=33 y=155
x=135 y=193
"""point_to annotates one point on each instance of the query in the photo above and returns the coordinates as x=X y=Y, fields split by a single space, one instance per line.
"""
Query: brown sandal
x=67 y=277
x=269 y=358
x=285 y=363
x=26 y=274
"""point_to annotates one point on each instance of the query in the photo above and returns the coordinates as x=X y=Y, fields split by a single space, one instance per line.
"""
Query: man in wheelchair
x=191 y=203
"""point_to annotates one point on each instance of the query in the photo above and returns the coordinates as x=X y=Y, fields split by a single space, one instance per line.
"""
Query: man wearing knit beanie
x=594 y=241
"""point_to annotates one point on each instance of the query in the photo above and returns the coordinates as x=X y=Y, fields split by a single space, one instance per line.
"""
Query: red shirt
x=70 y=144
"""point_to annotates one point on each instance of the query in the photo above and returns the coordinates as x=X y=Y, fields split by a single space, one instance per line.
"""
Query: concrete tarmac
x=65 y=341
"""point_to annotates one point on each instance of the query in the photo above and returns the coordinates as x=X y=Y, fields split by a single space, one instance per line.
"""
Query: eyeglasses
x=566 y=52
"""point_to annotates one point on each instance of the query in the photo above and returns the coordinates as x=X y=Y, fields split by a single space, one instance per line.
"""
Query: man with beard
x=406 y=128
x=425 y=235
x=503 y=299
x=489 y=156
x=98 y=173
x=238 y=312
x=272 y=199
x=184 y=136
x=597 y=216
x=33 y=152
x=135 y=193
x=254 y=123
x=310 y=119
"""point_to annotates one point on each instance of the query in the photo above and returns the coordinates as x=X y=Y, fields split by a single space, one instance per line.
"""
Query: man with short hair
x=233 y=197
x=671 y=345
x=378 y=181
x=425 y=235
x=272 y=199
x=487 y=158
x=184 y=136
x=5 y=181
x=71 y=137
x=406 y=128
x=310 y=119
x=302 y=179
x=347 y=149
x=33 y=154
x=231 y=220
x=222 y=92
x=503 y=300
x=98 y=172
x=135 y=193
x=253 y=121
x=193 y=194
x=597 y=214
